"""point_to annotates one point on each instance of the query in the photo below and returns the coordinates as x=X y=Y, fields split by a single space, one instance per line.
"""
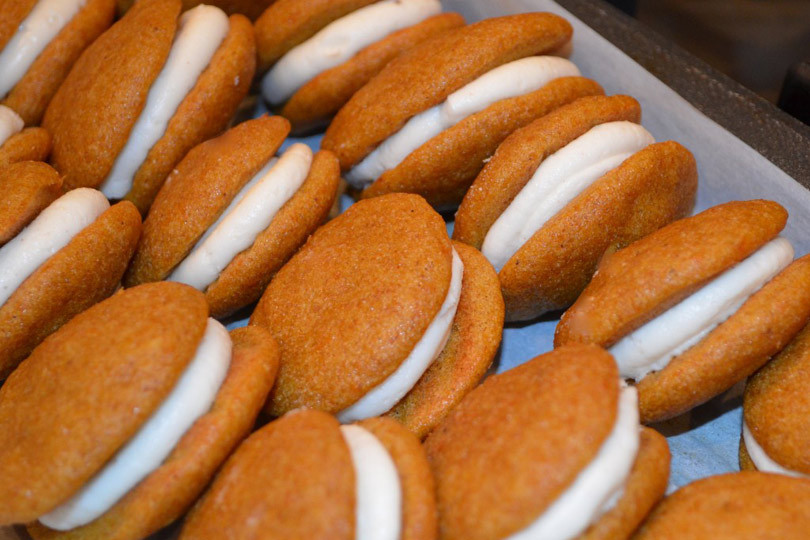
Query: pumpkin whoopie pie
x=59 y=254
x=776 y=413
x=231 y=214
x=696 y=306
x=117 y=422
x=306 y=476
x=428 y=122
x=136 y=102
x=583 y=180
x=564 y=456
x=318 y=53
x=18 y=144
x=379 y=312
x=745 y=505
x=40 y=40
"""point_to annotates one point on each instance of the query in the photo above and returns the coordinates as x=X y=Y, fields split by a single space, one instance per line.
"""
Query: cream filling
x=507 y=81
x=10 y=123
x=599 y=486
x=762 y=460
x=191 y=397
x=199 y=34
x=652 y=346
x=341 y=40
x=557 y=181
x=378 y=494
x=43 y=23
x=52 y=230
x=248 y=214
x=384 y=396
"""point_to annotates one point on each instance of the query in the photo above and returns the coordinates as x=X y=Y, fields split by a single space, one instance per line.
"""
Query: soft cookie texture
x=637 y=283
x=31 y=95
x=250 y=8
x=31 y=144
x=737 y=505
x=95 y=109
x=28 y=188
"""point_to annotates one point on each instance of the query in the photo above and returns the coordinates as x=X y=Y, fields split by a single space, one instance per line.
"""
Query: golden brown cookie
x=85 y=271
x=27 y=187
x=648 y=190
x=776 y=405
x=636 y=284
x=94 y=111
x=308 y=488
x=249 y=8
x=200 y=189
x=31 y=144
x=544 y=422
x=351 y=305
x=737 y=505
x=32 y=93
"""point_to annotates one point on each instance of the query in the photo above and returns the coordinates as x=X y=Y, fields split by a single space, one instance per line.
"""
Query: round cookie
x=549 y=468
x=466 y=91
x=314 y=487
x=40 y=40
x=109 y=381
x=738 y=505
x=58 y=256
x=696 y=306
x=136 y=103
x=350 y=308
x=214 y=196
x=544 y=263
x=775 y=413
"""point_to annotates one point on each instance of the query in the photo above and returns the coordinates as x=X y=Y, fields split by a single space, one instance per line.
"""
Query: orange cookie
x=431 y=118
x=581 y=181
x=739 y=505
x=59 y=256
x=564 y=456
x=317 y=54
x=322 y=480
x=18 y=144
x=776 y=429
x=380 y=312
x=40 y=40
x=250 y=8
x=136 y=102
x=116 y=423
x=696 y=306
x=231 y=215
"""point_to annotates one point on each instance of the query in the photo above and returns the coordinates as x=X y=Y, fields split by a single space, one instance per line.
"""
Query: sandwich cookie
x=581 y=181
x=18 y=144
x=40 y=40
x=136 y=103
x=738 y=505
x=696 y=306
x=231 y=214
x=249 y=8
x=379 y=313
x=59 y=256
x=564 y=457
x=776 y=430
x=317 y=54
x=430 y=119
x=117 y=422
x=306 y=476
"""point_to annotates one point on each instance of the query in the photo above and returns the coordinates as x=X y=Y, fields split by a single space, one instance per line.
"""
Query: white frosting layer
x=378 y=503
x=557 y=181
x=191 y=397
x=384 y=396
x=509 y=80
x=248 y=214
x=52 y=229
x=43 y=23
x=652 y=346
x=762 y=460
x=199 y=34
x=10 y=123
x=341 y=40
x=599 y=486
